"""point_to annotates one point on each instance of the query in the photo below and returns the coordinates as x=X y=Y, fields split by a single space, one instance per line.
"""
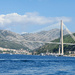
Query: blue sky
x=33 y=15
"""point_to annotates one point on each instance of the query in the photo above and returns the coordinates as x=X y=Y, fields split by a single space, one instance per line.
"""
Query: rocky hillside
x=13 y=40
x=10 y=40
x=45 y=36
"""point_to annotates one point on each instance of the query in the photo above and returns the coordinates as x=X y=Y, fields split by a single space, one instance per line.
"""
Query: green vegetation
x=54 y=48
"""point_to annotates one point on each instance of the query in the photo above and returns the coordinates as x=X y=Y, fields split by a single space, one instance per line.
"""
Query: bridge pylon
x=62 y=37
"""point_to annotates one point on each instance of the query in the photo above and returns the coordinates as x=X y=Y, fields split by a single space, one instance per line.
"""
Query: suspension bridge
x=61 y=48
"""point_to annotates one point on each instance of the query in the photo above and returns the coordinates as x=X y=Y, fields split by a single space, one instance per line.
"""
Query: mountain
x=13 y=40
x=44 y=36
x=10 y=40
x=52 y=48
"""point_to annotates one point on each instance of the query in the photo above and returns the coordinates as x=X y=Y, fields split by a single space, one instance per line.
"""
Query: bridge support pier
x=59 y=49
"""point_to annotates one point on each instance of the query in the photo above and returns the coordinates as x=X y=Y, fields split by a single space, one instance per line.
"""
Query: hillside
x=54 y=48
x=11 y=45
x=8 y=40
x=45 y=36
x=13 y=40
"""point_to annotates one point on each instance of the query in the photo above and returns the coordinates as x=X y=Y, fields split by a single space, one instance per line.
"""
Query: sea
x=36 y=65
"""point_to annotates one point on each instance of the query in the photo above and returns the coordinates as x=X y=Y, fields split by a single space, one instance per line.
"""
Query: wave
x=35 y=60
x=16 y=60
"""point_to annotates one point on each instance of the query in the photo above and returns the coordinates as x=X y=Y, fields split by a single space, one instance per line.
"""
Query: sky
x=27 y=16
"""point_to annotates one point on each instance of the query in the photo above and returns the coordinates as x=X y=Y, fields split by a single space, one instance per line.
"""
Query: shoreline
x=45 y=55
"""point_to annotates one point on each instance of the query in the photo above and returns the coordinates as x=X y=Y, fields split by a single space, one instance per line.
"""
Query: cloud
x=29 y=19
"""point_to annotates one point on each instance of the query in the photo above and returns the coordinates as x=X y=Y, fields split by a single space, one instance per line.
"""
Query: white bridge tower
x=61 y=39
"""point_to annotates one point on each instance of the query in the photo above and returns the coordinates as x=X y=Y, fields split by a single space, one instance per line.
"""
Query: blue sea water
x=36 y=65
